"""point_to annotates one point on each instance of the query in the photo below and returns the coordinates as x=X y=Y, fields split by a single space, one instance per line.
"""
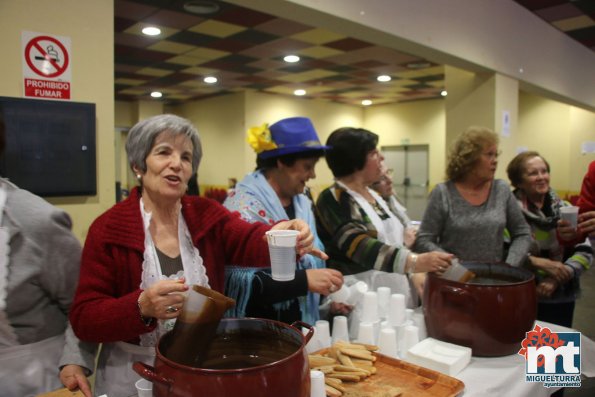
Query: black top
x=266 y=292
x=169 y=265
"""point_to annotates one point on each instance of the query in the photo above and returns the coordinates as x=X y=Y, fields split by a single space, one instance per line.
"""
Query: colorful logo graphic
x=553 y=358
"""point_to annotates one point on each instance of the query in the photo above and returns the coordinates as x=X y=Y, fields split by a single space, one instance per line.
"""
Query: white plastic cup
x=383 y=301
x=370 y=307
x=340 y=329
x=324 y=333
x=410 y=338
x=387 y=342
x=396 y=310
x=400 y=329
x=342 y=295
x=570 y=214
x=366 y=333
x=313 y=345
x=356 y=292
x=420 y=322
x=317 y=388
x=282 y=252
x=409 y=314
x=144 y=388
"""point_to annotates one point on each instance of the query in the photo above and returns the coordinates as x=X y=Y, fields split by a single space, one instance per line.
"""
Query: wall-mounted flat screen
x=50 y=146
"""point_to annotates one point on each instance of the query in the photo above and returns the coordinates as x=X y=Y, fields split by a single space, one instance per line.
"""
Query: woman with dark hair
x=356 y=225
x=142 y=254
x=468 y=214
x=557 y=265
x=287 y=153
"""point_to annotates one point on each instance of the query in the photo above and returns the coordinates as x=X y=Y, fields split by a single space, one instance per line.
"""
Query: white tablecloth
x=505 y=376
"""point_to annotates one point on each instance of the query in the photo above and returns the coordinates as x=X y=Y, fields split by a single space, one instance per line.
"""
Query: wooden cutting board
x=397 y=378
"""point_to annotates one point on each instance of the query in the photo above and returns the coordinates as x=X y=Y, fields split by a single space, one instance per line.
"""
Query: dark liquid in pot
x=494 y=279
x=248 y=348
x=192 y=341
x=240 y=348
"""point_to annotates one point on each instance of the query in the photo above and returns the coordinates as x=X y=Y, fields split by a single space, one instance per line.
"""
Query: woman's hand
x=164 y=299
x=586 y=223
x=73 y=377
x=546 y=288
x=305 y=240
x=324 y=281
x=340 y=308
x=559 y=271
x=566 y=231
x=434 y=261
x=409 y=236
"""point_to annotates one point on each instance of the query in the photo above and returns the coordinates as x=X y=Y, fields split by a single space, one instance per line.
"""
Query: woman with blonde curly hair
x=469 y=214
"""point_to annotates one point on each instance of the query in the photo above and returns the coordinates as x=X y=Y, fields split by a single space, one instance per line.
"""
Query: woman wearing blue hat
x=287 y=152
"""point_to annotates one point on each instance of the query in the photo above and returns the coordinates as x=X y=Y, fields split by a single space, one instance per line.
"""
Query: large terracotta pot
x=490 y=314
x=253 y=357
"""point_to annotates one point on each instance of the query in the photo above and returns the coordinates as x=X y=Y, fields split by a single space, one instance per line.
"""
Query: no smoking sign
x=46 y=65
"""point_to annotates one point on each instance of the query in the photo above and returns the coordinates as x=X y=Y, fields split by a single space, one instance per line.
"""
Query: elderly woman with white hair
x=141 y=254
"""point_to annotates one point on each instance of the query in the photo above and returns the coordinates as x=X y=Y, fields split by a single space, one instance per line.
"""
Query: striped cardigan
x=350 y=238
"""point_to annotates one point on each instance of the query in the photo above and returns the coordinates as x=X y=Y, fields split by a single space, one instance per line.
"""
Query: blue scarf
x=256 y=189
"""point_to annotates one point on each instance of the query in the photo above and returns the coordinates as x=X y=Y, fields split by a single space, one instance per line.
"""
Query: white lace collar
x=192 y=262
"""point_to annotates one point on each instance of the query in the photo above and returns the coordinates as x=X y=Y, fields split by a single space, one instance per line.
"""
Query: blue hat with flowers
x=286 y=136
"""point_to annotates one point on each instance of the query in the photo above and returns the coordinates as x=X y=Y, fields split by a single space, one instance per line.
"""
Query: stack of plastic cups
x=387 y=342
x=397 y=317
x=342 y=295
x=396 y=310
x=370 y=315
x=340 y=331
x=356 y=293
x=356 y=296
x=383 y=301
x=420 y=322
x=324 y=333
x=313 y=345
x=410 y=339
x=366 y=333
x=409 y=314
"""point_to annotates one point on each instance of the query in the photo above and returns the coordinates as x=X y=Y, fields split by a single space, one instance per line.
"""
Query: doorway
x=410 y=176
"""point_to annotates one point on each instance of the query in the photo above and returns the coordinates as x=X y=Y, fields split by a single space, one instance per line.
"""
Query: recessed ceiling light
x=384 y=78
x=151 y=31
x=210 y=80
x=291 y=58
x=156 y=94
x=366 y=102
x=443 y=93
x=299 y=92
x=201 y=7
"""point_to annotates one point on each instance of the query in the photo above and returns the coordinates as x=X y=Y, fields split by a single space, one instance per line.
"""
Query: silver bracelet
x=411 y=268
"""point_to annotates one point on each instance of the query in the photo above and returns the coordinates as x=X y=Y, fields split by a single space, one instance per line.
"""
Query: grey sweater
x=474 y=233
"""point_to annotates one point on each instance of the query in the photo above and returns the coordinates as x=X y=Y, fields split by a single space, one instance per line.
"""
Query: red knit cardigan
x=586 y=200
x=105 y=305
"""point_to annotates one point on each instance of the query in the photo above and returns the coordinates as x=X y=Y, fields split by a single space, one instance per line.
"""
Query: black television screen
x=50 y=146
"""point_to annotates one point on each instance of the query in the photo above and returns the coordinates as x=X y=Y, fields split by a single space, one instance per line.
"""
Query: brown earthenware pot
x=490 y=314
